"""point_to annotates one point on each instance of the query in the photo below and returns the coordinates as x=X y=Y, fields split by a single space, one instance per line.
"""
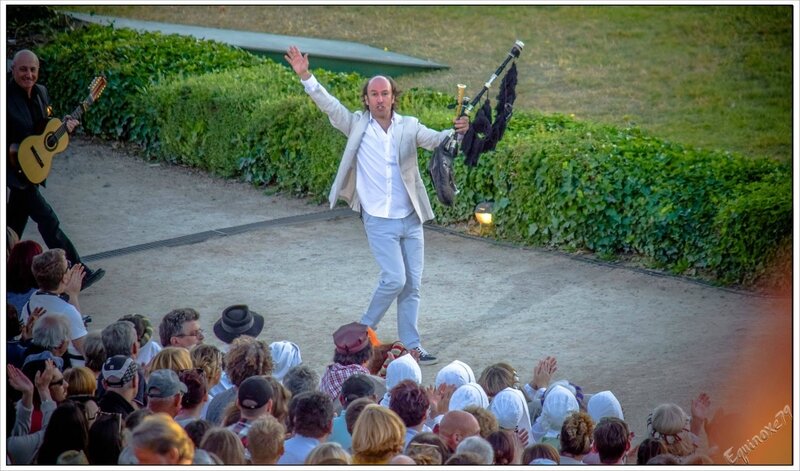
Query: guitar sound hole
x=51 y=142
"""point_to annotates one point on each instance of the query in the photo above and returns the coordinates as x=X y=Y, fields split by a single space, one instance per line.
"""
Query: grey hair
x=51 y=331
x=301 y=378
x=479 y=446
x=118 y=338
x=94 y=352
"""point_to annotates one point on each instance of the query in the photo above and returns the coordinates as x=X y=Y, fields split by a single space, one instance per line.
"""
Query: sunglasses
x=58 y=382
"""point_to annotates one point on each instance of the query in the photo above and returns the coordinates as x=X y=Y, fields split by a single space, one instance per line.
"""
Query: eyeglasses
x=196 y=333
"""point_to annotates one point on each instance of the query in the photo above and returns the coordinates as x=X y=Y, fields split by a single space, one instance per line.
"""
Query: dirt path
x=648 y=339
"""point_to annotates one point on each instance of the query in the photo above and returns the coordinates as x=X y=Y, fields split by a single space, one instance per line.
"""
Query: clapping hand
x=18 y=380
x=543 y=372
x=27 y=329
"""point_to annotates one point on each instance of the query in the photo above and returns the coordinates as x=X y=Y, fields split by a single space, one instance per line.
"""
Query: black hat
x=254 y=392
x=236 y=321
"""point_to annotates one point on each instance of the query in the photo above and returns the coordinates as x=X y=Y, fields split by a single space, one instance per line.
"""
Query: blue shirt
x=296 y=449
x=339 y=433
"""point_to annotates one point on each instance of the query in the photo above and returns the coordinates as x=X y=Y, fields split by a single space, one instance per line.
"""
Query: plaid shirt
x=335 y=375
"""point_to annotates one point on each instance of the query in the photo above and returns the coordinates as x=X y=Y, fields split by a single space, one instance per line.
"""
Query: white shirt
x=148 y=351
x=379 y=181
x=54 y=305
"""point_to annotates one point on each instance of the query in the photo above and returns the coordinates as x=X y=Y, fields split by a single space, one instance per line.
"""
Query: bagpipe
x=483 y=133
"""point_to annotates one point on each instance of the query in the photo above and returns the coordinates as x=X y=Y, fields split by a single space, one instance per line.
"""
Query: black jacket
x=24 y=117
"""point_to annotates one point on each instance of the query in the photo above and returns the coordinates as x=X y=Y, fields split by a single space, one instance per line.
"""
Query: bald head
x=25 y=69
x=457 y=425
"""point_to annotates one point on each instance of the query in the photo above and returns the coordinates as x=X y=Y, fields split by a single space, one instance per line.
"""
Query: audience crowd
x=121 y=395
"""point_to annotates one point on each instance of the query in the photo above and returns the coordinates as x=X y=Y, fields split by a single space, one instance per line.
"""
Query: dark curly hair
x=409 y=401
x=576 y=433
x=247 y=357
x=313 y=413
x=357 y=358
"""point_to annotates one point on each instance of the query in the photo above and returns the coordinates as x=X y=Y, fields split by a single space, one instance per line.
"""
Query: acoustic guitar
x=35 y=153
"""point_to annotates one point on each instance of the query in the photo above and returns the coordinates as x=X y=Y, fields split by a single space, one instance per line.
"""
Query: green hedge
x=130 y=61
x=555 y=181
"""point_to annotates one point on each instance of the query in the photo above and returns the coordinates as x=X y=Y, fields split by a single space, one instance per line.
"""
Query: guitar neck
x=76 y=113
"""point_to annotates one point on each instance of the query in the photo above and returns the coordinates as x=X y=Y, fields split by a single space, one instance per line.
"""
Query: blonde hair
x=378 y=435
x=494 y=378
x=576 y=433
x=670 y=424
x=225 y=444
x=159 y=433
x=486 y=420
x=81 y=381
x=327 y=451
x=265 y=440
x=176 y=359
x=210 y=359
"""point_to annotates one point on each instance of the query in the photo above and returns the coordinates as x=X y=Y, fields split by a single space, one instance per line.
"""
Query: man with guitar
x=27 y=113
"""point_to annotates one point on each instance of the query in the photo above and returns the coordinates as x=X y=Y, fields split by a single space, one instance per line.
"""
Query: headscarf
x=511 y=410
x=285 y=355
x=604 y=404
x=558 y=404
x=404 y=367
x=457 y=373
x=467 y=395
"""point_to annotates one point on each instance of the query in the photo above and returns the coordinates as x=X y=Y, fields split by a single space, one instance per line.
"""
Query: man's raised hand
x=298 y=61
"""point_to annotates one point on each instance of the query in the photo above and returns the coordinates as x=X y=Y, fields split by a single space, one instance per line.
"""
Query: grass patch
x=716 y=77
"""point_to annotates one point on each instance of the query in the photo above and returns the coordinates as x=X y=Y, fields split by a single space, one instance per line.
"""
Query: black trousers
x=28 y=202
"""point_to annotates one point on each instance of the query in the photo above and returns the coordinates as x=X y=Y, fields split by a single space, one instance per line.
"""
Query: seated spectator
x=457 y=425
x=486 y=420
x=247 y=357
x=105 y=440
x=312 y=423
x=158 y=439
x=479 y=446
x=405 y=367
x=181 y=328
x=682 y=435
x=456 y=373
x=382 y=355
x=576 y=438
x=81 y=387
x=254 y=400
x=225 y=444
x=351 y=353
x=126 y=456
x=409 y=401
x=497 y=377
x=612 y=440
x=194 y=398
x=210 y=359
x=121 y=382
x=540 y=451
x=265 y=440
x=649 y=448
x=280 y=399
x=94 y=352
x=470 y=394
x=23 y=444
x=325 y=453
x=57 y=389
x=15 y=343
x=51 y=334
x=604 y=404
x=67 y=430
x=285 y=355
x=119 y=338
x=511 y=410
x=147 y=345
x=464 y=459
x=427 y=440
x=20 y=282
x=506 y=446
x=424 y=454
x=354 y=387
x=559 y=402
x=378 y=435
x=354 y=409
x=176 y=359
x=300 y=379
x=197 y=429
x=234 y=322
x=59 y=286
x=165 y=392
